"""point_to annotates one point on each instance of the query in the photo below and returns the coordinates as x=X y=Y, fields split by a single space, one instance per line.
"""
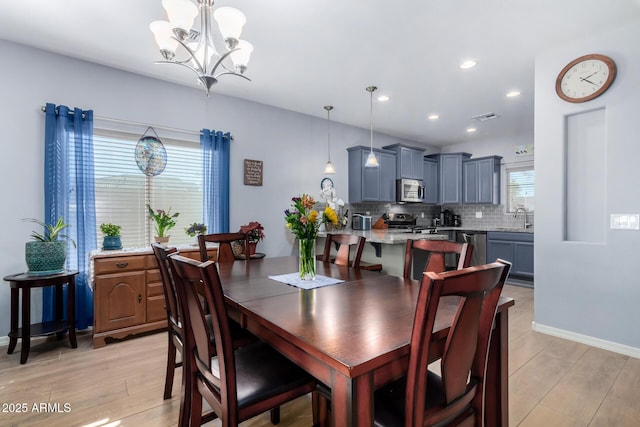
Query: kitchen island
x=386 y=247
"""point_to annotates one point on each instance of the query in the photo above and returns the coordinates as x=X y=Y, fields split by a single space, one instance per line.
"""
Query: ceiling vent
x=484 y=117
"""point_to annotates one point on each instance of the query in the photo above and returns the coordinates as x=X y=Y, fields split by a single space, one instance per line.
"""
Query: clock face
x=585 y=78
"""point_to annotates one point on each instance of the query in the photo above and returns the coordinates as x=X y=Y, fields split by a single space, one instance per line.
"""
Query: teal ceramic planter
x=111 y=243
x=45 y=257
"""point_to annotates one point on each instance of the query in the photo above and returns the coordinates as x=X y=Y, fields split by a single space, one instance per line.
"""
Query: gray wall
x=589 y=291
x=292 y=146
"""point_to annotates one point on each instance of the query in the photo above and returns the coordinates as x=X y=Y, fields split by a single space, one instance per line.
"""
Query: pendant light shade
x=329 y=169
x=372 y=161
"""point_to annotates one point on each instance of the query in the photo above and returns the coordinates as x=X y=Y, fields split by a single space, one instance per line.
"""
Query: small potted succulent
x=47 y=252
x=112 y=239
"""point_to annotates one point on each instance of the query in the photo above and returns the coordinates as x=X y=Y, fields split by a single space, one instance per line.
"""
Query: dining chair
x=224 y=241
x=435 y=251
x=343 y=244
x=175 y=325
x=238 y=384
x=456 y=396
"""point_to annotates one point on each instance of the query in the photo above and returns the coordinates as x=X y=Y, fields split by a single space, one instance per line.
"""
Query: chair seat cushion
x=389 y=400
x=262 y=372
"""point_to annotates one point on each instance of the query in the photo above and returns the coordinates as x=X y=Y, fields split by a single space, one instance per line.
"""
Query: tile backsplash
x=493 y=216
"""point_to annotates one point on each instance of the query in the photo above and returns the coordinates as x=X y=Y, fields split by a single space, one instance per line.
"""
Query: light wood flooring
x=553 y=382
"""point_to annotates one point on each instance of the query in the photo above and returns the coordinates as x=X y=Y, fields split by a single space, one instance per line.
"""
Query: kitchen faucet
x=515 y=214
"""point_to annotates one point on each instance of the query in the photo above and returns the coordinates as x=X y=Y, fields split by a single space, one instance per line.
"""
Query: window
x=123 y=191
x=520 y=188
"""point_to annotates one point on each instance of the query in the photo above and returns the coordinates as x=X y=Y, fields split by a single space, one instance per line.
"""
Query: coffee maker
x=457 y=222
x=446 y=218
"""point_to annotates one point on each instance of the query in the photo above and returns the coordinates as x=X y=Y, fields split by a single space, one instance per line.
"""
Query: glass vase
x=307 y=260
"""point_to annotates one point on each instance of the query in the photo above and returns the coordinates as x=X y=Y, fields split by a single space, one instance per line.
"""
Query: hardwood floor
x=553 y=382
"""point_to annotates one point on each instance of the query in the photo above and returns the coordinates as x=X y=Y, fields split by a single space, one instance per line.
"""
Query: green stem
x=307 y=259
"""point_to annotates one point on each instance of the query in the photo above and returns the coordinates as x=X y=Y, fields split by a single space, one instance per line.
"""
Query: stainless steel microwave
x=409 y=190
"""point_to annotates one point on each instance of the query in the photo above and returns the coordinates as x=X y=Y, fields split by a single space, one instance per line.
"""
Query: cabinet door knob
x=122 y=264
x=139 y=298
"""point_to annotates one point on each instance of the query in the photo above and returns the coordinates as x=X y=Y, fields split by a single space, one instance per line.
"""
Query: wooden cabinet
x=371 y=184
x=450 y=177
x=514 y=247
x=128 y=297
x=430 y=180
x=481 y=180
x=409 y=161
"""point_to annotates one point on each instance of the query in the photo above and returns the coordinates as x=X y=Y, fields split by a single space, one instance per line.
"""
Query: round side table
x=26 y=282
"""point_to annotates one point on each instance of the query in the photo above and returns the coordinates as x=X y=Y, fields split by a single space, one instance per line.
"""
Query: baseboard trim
x=585 y=339
x=4 y=340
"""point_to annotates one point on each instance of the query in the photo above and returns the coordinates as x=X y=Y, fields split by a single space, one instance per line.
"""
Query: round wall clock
x=585 y=78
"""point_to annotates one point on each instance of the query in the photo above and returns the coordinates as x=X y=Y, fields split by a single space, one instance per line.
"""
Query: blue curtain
x=70 y=192
x=215 y=170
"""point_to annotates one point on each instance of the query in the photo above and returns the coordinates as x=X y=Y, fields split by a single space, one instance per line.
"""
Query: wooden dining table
x=353 y=336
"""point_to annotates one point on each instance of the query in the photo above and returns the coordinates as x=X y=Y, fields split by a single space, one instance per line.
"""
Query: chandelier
x=200 y=53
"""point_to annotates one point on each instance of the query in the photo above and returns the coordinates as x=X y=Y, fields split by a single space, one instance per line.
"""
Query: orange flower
x=307 y=201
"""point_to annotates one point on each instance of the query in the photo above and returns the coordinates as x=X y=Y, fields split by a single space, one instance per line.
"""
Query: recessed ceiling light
x=471 y=130
x=433 y=117
x=383 y=98
x=513 y=93
x=468 y=64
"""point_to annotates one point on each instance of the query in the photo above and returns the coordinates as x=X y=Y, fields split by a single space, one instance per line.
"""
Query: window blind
x=520 y=188
x=123 y=191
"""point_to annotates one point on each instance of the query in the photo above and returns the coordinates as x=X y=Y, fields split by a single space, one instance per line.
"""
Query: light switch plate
x=625 y=221
x=479 y=214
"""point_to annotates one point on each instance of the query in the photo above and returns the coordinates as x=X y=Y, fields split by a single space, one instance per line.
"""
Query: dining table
x=353 y=336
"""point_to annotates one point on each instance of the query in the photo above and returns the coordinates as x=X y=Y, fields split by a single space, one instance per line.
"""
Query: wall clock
x=585 y=78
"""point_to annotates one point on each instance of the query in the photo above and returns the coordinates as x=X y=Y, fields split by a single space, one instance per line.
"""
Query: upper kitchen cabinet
x=408 y=161
x=450 y=177
x=376 y=184
x=430 y=180
x=481 y=180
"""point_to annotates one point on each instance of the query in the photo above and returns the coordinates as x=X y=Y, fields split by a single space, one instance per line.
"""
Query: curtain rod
x=127 y=122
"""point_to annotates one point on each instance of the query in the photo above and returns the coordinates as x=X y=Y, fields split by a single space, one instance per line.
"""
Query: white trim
x=585 y=339
x=4 y=340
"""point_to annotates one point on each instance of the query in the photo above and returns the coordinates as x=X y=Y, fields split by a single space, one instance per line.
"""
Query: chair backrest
x=224 y=240
x=161 y=254
x=437 y=249
x=463 y=363
x=193 y=281
x=343 y=243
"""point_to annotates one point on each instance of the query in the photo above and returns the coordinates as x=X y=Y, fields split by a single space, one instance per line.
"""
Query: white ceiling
x=314 y=53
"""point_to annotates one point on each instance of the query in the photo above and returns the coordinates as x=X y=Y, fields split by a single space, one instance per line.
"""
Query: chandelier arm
x=184 y=64
x=233 y=74
x=193 y=57
x=219 y=61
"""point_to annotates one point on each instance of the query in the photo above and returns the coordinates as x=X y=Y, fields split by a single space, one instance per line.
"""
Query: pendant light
x=371 y=162
x=329 y=169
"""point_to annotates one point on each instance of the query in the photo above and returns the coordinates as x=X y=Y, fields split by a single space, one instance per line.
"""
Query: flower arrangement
x=195 y=229
x=302 y=220
x=164 y=220
x=255 y=230
x=329 y=216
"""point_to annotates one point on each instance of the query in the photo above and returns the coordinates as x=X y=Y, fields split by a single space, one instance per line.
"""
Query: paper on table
x=293 y=279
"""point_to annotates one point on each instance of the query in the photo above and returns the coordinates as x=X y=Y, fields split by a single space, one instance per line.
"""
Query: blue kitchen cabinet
x=450 y=177
x=371 y=184
x=408 y=161
x=430 y=180
x=514 y=247
x=481 y=180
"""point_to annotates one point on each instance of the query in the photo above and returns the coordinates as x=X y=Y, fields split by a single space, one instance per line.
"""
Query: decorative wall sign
x=252 y=172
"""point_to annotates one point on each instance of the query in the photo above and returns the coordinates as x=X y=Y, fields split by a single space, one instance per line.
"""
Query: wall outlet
x=479 y=214
x=625 y=221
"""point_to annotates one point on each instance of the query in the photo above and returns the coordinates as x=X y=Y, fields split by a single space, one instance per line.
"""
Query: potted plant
x=47 y=252
x=112 y=240
x=195 y=229
x=255 y=230
x=164 y=221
